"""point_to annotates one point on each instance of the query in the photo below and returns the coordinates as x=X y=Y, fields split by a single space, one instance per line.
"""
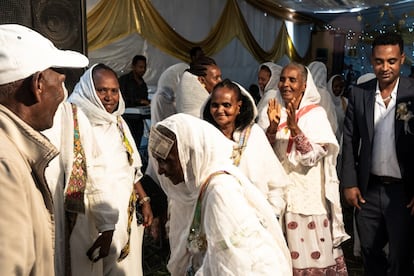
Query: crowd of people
x=250 y=186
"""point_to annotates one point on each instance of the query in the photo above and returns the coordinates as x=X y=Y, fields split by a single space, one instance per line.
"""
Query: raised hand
x=291 y=121
x=274 y=111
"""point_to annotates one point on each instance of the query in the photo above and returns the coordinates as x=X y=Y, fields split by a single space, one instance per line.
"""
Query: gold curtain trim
x=112 y=20
x=280 y=12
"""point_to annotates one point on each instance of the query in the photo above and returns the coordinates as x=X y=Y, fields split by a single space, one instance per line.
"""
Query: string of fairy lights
x=358 y=41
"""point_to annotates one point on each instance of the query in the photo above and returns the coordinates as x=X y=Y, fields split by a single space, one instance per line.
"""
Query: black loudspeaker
x=62 y=21
x=16 y=11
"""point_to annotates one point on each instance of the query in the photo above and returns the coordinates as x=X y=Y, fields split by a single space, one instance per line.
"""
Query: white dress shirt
x=384 y=156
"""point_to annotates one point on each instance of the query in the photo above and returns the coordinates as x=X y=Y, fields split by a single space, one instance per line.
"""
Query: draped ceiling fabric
x=239 y=35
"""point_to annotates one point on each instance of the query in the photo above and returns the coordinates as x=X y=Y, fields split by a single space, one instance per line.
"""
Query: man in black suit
x=378 y=161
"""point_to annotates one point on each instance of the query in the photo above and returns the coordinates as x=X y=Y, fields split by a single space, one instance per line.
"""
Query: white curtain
x=193 y=19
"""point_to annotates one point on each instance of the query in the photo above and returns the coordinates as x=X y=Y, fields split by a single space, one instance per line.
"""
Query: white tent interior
x=193 y=20
x=194 y=23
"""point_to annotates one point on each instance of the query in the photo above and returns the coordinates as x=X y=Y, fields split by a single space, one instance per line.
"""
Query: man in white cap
x=30 y=92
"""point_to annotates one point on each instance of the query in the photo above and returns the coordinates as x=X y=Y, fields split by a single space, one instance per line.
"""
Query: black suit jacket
x=359 y=132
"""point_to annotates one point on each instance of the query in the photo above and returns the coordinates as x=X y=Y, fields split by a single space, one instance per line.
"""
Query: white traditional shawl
x=319 y=74
x=120 y=173
x=84 y=96
x=336 y=99
x=191 y=95
x=271 y=87
x=163 y=101
x=100 y=213
x=317 y=129
x=203 y=150
x=275 y=71
x=271 y=91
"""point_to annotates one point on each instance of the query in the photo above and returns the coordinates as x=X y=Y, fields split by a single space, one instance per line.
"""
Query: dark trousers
x=385 y=218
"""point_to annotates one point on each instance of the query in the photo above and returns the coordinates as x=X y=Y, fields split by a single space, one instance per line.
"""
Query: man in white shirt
x=378 y=171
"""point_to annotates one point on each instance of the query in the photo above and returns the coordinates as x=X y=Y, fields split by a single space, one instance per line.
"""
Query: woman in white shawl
x=231 y=109
x=162 y=106
x=196 y=84
x=307 y=148
x=84 y=198
x=97 y=94
x=268 y=78
x=163 y=101
x=233 y=228
x=319 y=74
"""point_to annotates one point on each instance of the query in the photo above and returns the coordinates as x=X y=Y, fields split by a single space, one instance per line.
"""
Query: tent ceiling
x=325 y=7
x=356 y=15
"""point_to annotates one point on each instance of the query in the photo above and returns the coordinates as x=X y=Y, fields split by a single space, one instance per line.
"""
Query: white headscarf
x=84 y=96
x=336 y=99
x=170 y=79
x=203 y=150
x=275 y=70
x=194 y=141
x=319 y=73
x=311 y=95
x=271 y=91
x=191 y=95
x=163 y=101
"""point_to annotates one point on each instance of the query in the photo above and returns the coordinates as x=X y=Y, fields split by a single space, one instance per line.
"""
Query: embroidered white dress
x=313 y=220
x=99 y=215
x=120 y=173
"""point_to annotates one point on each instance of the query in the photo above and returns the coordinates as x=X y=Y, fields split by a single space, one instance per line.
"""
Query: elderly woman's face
x=291 y=83
x=171 y=166
x=107 y=89
x=224 y=107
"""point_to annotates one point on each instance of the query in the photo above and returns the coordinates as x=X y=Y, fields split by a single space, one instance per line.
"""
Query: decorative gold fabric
x=274 y=9
x=75 y=192
x=125 y=141
x=131 y=211
x=110 y=20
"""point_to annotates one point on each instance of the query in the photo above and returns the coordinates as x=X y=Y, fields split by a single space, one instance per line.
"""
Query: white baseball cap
x=24 y=52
